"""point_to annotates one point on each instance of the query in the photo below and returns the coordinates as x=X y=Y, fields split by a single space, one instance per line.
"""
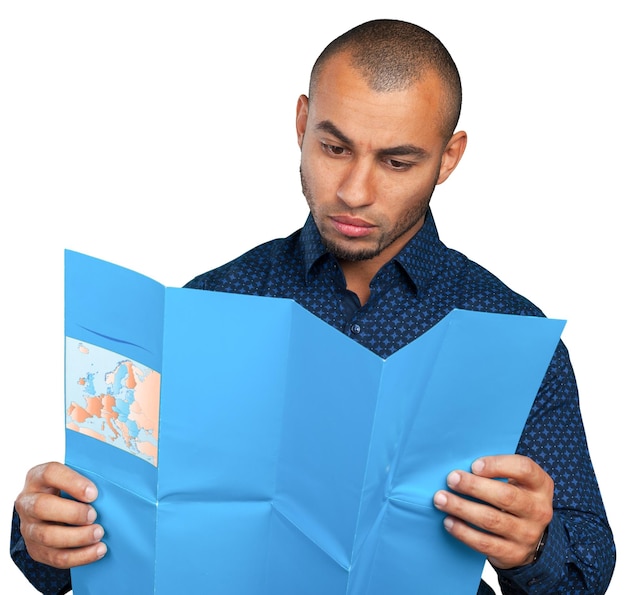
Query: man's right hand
x=59 y=531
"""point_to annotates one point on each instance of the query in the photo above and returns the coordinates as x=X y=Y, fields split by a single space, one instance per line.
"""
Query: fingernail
x=98 y=533
x=101 y=550
x=440 y=499
x=453 y=479
x=91 y=515
x=91 y=493
x=448 y=523
x=478 y=465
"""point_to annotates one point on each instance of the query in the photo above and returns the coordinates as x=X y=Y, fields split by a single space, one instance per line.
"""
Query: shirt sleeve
x=46 y=579
x=579 y=553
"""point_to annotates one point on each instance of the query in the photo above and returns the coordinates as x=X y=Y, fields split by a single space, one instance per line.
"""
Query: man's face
x=370 y=161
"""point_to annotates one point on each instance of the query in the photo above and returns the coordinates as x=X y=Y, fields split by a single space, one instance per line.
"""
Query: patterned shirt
x=408 y=296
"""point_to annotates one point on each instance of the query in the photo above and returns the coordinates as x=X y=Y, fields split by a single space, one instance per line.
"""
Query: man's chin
x=351 y=253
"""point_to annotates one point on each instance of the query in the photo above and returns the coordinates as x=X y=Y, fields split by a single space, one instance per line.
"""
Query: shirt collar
x=311 y=244
x=419 y=258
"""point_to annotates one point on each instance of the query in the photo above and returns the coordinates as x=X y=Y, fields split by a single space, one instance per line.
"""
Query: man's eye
x=333 y=149
x=399 y=165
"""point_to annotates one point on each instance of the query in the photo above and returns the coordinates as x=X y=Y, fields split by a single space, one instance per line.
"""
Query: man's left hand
x=507 y=522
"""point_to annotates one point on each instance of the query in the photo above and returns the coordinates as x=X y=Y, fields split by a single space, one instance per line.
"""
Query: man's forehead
x=343 y=97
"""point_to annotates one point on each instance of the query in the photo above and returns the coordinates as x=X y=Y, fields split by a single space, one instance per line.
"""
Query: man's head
x=377 y=136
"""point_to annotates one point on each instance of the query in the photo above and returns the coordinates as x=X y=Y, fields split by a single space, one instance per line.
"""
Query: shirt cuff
x=46 y=579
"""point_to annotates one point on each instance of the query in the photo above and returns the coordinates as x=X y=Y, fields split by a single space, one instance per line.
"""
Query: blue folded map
x=242 y=446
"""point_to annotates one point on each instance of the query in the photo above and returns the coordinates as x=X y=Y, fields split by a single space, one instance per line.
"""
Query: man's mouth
x=352 y=227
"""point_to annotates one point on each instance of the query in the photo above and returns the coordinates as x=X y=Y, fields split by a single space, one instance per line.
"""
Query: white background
x=160 y=136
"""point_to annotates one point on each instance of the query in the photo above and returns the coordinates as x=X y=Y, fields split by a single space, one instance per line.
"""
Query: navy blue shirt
x=409 y=295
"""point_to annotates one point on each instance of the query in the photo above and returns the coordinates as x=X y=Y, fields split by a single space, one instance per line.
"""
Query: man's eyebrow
x=400 y=150
x=405 y=150
x=328 y=126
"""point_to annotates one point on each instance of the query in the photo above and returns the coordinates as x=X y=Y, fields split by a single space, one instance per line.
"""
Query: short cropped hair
x=392 y=55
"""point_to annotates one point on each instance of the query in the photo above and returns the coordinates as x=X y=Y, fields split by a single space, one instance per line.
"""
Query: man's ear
x=302 y=114
x=452 y=155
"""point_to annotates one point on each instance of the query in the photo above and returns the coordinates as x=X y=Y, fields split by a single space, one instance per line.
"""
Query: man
x=377 y=135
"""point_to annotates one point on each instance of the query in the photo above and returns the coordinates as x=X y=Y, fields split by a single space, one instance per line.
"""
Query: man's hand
x=58 y=531
x=508 y=522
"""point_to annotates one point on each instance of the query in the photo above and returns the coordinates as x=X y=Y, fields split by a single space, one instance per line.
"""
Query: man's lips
x=352 y=227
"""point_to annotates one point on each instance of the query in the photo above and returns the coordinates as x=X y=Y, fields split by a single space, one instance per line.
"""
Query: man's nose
x=357 y=186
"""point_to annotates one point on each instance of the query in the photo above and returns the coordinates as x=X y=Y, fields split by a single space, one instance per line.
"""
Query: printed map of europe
x=112 y=398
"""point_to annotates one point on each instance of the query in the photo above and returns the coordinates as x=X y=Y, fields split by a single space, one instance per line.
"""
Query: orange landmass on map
x=131 y=381
x=100 y=406
x=144 y=410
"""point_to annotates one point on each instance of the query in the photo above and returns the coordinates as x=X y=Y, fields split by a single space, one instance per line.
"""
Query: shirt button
x=355 y=328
